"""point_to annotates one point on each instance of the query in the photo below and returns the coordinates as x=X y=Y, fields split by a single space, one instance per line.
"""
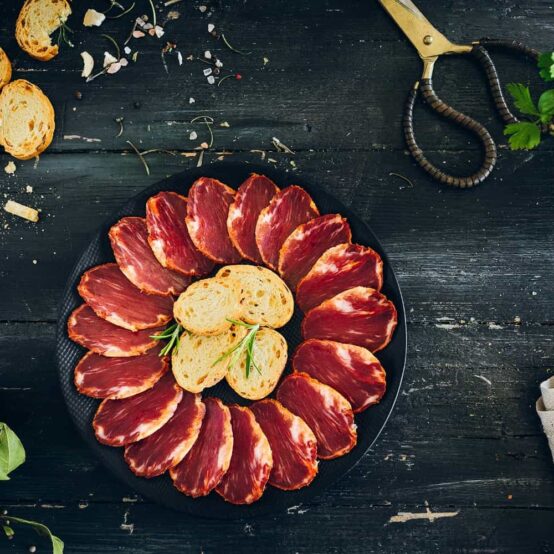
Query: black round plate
x=370 y=423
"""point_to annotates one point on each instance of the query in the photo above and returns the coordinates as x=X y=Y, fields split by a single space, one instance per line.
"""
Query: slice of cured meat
x=340 y=268
x=328 y=414
x=360 y=316
x=251 y=461
x=308 y=242
x=120 y=422
x=113 y=297
x=169 y=238
x=129 y=239
x=251 y=198
x=166 y=447
x=207 y=211
x=208 y=460
x=102 y=377
x=351 y=370
x=287 y=210
x=98 y=335
x=292 y=443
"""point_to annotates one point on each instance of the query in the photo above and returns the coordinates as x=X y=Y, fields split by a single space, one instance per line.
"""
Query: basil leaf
x=522 y=98
x=57 y=543
x=12 y=453
x=524 y=135
x=546 y=103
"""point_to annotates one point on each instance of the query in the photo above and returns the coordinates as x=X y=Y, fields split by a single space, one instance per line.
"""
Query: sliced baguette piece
x=193 y=360
x=37 y=20
x=206 y=307
x=5 y=69
x=265 y=297
x=27 y=120
x=270 y=355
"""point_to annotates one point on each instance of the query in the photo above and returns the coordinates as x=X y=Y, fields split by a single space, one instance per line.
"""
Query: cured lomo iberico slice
x=129 y=239
x=208 y=460
x=308 y=242
x=251 y=198
x=120 y=422
x=207 y=211
x=98 y=335
x=166 y=447
x=351 y=370
x=113 y=297
x=169 y=238
x=327 y=413
x=102 y=377
x=287 y=210
x=360 y=316
x=251 y=461
x=292 y=443
x=340 y=268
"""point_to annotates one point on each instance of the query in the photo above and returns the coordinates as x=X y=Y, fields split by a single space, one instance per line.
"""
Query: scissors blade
x=428 y=41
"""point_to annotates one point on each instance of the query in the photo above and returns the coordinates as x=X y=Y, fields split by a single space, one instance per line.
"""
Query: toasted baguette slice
x=270 y=355
x=27 y=120
x=193 y=361
x=37 y=20
x=265 y=297
x=5 y=69
x=207 y=305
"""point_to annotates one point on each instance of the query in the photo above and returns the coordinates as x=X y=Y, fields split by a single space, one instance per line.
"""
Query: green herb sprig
x=63 y=34
x=171 y=334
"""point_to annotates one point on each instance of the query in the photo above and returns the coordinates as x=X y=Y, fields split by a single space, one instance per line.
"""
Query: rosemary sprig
x=62 y=34
x=171 y=334
x=244 y=345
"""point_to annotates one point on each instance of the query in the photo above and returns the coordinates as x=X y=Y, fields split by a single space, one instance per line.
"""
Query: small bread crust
x=206 y=307
x=5 y=69
x=27 y=120
x=265 y=297
x=270 y=355
x=194 y=361
x=37 y=20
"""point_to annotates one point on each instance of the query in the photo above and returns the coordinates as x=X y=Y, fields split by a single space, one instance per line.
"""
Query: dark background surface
x=475 y=267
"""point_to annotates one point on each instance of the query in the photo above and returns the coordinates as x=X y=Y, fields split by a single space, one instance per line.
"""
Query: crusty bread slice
x=37 y=20
x=5 y=69
x=207 y=305
x=27 y=119
x=265 y=297
x=270 y=355
x=193 y=360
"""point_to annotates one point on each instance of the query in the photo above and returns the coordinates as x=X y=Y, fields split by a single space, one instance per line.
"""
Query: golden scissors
x=431 y=44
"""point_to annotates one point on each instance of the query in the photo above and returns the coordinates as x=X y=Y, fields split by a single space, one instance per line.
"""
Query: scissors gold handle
x=431 y=44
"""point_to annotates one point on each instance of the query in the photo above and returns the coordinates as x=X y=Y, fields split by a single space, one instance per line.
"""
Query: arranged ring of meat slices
x=98 y=335
x=120 y=422
x=340 y=268
x=351 y=370
x=208 y=460
x=207 y=209
x=251 y=198
x=328 y=414
x=101 y=377
x=251 y=460
x=288 y=209
x=166 y=447
x=113 y=297
x=169 y=238
x=360 y=316
x=292 y=443
x=129 y=240
x=308 y=242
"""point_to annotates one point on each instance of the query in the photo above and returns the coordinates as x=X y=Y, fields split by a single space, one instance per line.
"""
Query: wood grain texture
x=476 y=268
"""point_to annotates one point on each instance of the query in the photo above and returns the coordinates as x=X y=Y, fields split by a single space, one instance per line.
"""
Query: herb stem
x=154 y=20
x=139 y=154
x=226 y=42
x=208 y=121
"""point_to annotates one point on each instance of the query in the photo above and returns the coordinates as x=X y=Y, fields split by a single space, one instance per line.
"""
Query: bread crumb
x=14 y=208
x=34 y=262
x=93 y=18
x=10 y=168
x=29 y=189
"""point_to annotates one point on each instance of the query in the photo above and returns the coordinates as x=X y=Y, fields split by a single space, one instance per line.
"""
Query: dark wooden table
x=476 y=267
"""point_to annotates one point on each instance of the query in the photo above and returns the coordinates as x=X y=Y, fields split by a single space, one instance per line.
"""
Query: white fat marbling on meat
x=343 y=305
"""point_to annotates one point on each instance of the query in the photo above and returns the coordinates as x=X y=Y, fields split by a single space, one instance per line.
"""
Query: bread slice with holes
x=37 y=20
x=27 y=120
x=206 y=307
x=270 y=355
x=193 y=361
x=5 y=69
x=265 y=297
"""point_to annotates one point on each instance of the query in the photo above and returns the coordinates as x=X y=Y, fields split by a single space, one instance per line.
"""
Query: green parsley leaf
x=12 y=453
x=522 y=98
x=546 y=105
x=546 y=66
x=524 y=135
x=57 y=543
